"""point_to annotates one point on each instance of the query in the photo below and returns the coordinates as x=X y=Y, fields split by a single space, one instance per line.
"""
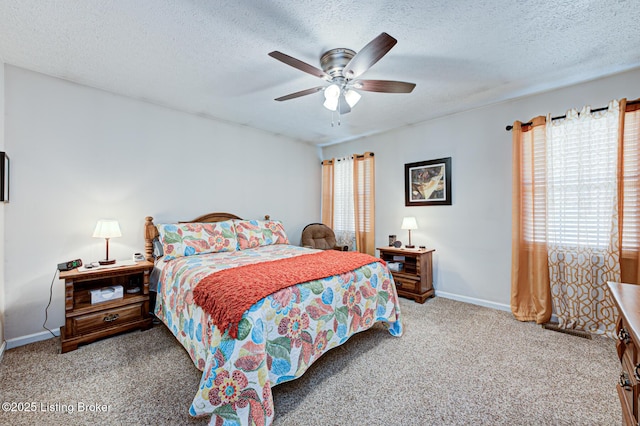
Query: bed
x=276 y=338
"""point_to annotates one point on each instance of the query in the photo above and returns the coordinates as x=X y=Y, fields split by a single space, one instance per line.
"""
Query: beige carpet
x=457 y=364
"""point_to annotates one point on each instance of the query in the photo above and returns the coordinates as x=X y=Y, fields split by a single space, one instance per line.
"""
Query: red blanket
x=228 y=293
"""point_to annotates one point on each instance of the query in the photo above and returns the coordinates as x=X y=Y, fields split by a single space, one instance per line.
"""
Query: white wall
x=80 y=154
x=472 y=237
x=2 y=259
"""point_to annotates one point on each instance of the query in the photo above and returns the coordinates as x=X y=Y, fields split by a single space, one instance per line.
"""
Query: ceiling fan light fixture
x=332 y=92
x=331 y=104
x=352 y=97
x=343 y=105
x=342 y=68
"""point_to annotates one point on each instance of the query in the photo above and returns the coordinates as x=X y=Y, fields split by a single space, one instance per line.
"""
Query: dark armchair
x=320 y=236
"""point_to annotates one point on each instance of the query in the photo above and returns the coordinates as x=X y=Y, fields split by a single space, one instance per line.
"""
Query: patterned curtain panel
x=582 y=217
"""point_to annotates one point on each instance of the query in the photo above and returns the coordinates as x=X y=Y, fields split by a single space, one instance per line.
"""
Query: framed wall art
x=4 y=177
x=428 y=183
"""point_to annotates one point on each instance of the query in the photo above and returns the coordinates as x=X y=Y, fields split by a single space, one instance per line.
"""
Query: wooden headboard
x=151 y=232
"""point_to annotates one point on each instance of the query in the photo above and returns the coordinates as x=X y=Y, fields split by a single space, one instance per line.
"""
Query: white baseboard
x=474 y=301
x=31 y=338
x=2 y=348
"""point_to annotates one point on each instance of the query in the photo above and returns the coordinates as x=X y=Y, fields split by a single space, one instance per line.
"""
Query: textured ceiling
x=210 y=57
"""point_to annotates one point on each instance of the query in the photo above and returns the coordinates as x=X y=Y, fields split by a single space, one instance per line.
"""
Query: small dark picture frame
x=4 y=177
x=428 y=183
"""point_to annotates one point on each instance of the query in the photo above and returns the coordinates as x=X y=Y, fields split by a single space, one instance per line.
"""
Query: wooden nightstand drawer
x=628 y=388
x=108 y=318
x=406 y=284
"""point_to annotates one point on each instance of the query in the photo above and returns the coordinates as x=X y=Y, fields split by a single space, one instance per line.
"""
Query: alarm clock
x=67 y=266
x=397 y=243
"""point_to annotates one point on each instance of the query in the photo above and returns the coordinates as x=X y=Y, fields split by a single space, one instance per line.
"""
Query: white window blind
x=570 y=180
x=582 y=159
x=343 y=218
x=534 y=184
x=631 y=148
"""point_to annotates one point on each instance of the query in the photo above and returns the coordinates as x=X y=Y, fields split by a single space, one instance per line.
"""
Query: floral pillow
x=187 y=239
x=256 y=233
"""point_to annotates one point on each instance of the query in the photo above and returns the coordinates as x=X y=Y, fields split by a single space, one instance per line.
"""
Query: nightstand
x=86 y=322
x=414 y=280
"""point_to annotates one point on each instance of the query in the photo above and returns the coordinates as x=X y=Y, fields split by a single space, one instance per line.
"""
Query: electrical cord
x=46 y=310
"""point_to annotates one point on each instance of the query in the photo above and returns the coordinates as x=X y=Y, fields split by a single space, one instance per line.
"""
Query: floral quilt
x=279 y=337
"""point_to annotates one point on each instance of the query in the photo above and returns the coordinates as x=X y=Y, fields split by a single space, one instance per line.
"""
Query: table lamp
x=108 y=228
x=409 y=223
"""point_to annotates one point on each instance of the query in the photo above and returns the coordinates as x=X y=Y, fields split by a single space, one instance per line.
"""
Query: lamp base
x=409 y=246
x=107 y=261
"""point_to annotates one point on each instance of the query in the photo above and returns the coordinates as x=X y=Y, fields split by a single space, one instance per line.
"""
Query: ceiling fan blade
x=369 y=55
x=384 y=86
x=297 y=63
x=300 y=93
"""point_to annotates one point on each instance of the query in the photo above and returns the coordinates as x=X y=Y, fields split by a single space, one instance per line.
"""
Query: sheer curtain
x=582 y=217
x=576 y=215
x=348 y=200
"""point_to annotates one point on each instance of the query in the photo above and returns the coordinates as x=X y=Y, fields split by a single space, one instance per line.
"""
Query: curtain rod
x=560 y=117
x=370 y=154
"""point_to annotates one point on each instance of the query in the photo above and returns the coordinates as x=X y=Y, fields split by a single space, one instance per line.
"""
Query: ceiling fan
x=342 y=68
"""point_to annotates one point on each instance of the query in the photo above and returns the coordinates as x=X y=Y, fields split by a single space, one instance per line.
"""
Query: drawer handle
x=624 y=381
x=636 y=372
x=623 y=335
x=111 y=318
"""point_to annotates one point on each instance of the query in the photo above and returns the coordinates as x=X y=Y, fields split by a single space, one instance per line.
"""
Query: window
x=576 y=215
x=569 y=175
x=631 y=179
x=348 y=194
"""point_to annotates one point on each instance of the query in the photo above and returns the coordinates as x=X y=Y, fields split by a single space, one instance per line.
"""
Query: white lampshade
x=352 y=97
x=107 y=228
x=331 y=96
x=409 y=223
x=332 y=92
x=331 y=104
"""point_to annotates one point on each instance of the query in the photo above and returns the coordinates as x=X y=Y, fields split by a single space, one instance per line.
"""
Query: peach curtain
x=327 y=193
x=530 y=289
x=629 y=190
x=364 y=203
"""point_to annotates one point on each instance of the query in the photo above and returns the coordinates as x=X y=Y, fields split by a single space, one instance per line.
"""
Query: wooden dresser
x=415 y=279
x=627 y=298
